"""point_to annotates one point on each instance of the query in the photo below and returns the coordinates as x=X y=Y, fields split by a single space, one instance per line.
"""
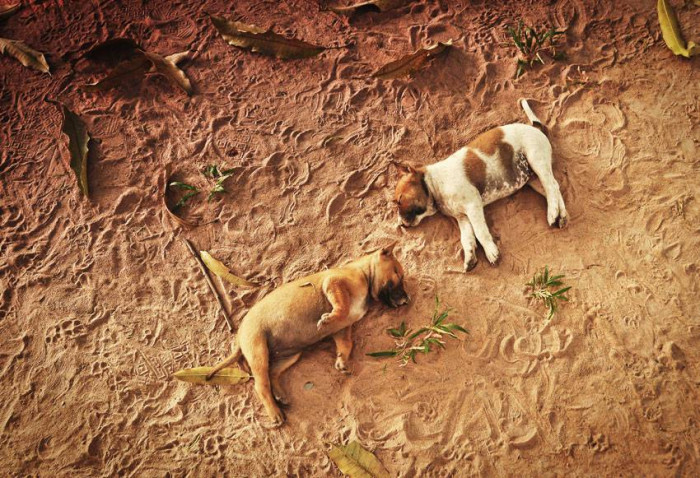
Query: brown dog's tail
x=534 y=120
x=230 y=360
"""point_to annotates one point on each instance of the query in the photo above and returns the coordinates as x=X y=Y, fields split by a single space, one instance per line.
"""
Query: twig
x=209 y=282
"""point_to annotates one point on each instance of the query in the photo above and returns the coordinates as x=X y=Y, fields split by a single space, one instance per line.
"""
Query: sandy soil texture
x=101 y=301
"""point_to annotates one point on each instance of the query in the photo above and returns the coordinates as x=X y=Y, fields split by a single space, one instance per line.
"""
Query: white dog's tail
x=534 y=120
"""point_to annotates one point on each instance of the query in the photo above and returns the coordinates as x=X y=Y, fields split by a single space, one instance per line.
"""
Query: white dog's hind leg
x=541 y=164
x=475 y=213
x=468 y=243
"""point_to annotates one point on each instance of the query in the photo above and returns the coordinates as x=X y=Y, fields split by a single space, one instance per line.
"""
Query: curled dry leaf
x=407 y=65
x=78 y=139
x=256 y=39
x=671 y=31
x=7 y=10
x=26 y=55
x=371 y=6
x=226 y=376
x=356 y=462
x=167 y=180
x=222 y=271
x=137 y=65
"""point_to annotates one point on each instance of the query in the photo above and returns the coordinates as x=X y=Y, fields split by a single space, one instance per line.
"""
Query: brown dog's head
x=387 y=278
x=412 y=196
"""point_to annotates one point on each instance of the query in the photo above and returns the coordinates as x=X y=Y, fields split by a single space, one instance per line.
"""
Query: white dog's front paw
x=324 y=320
x=470 y=262
x=492 y=253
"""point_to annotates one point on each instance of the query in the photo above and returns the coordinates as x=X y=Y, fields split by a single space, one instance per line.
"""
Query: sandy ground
x=101 y=301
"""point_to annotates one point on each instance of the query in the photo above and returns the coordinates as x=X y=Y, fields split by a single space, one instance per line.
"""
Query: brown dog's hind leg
x=276 y=369
x=343 y=347
x=337 y=294
x=257 y=354
x=231 y=359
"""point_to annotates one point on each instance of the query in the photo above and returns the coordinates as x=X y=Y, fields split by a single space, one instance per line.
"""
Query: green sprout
x=541 y=285
x=192 y=192
x=532 y=43
x=408 y=344
x=222 y=175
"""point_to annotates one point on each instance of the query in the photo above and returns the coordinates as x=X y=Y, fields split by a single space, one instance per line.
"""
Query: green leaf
x=78 y=139
x=256 y=39
x=417 y=333
x=181 y=185
x=226 y=376
x=384 y=353
x=409 y=64
x=356 y=462
x=458 y=327
x=24 y=54
x=671 y=31
x=184 y=199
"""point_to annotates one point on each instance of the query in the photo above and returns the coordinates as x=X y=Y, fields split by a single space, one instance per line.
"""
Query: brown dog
x=274 y=332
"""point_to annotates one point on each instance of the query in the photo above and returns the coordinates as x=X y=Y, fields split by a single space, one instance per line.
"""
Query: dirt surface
x=101 y=301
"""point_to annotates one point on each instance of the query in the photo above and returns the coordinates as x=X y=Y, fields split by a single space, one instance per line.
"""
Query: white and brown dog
x=496 y=164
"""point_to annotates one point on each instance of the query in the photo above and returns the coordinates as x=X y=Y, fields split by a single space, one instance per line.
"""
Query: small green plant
x=191 y=192
x=408 y=344
x=541 y=285
x=532 y=43
x=212 y=171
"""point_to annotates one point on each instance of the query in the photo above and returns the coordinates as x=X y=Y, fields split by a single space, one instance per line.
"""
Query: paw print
x=213 y=445
x=68 y=329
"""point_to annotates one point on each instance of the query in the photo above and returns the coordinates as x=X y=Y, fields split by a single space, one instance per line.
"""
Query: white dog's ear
x=404 y=168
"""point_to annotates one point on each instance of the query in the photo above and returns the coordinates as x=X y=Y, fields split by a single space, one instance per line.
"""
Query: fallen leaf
x=371 y=6
x=409 y=64
x=175 y=217
x=356 y=462
x=78 y=139
x=671 y=31
x=222 y=271
x=256 y=39
x=226 y=376
x=168 y=67
x=134 y=67
x=26 y=55
x=7 y=10
x=308 y=385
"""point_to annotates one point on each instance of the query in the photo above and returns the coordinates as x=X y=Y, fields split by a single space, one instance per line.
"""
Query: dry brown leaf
x=137 y=65
x=218 y=268
x=180 y=221
x=226 y=376
x=371 y=6
x=168 y=67
x=78 y=139
x=26 y=55
x=671 y=31
x=409 y=64
x=256 y=39
x=7 y=10
x=356 y=462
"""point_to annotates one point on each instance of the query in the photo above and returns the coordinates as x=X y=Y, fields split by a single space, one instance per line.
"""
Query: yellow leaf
x=226 y=376
x=222 y=271
x=370 y=6
x=168 y=67
x=671 y=31
x=7 y=10
x=26 y=55
x=78 y=144
x=356 y=462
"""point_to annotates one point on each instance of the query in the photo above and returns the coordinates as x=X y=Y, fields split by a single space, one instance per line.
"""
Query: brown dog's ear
x=389 y=250
x=404 y=168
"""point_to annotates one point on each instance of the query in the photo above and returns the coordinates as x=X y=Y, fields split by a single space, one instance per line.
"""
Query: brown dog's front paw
x=341 y=367
x=325 y=318
x=277 y=417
